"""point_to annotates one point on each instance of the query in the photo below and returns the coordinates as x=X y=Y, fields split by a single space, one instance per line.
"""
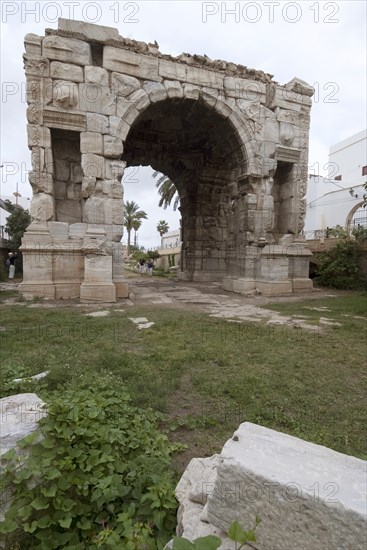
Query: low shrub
x=338 y=267
x=97 y=476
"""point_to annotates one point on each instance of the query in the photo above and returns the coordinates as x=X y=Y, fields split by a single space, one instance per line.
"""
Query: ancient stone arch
x=234 y=142
x=349 y=218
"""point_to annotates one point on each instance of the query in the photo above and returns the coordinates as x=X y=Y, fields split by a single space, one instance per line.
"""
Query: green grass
x=207 y=375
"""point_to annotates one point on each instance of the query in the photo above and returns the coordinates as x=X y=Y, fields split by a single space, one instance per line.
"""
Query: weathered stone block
x=281 y=491
x=240 y=88
x=41 y=182
x=191 y=91
x=112 y=147
x=224 y=107
x=19 y=417
x=97 y=99
x=209 y=96
x=66 y=71
x=115 y=169
x=97 y=123
x=155 y=90
x=38 y=136
x=59 y=190
x=118 y=128
x=140 y=100
x=69 y=210
x=131 y=63
x=208 y=79
x=33 y=45
x=123 y=85
x=271 y=132
x=77 y=230
x=65 y=94
x=34 y=114
x=91 y=142
x=59 y=230
x=62 y=170
x=66 y=49
x=88 y=186
x=93 y=212
x=287 y=99
x=173 y=88
x=96 y=75
x=285 y=115
x=48 y=165
x=113 y=211
x=76 y=172
x=42 y=207
x=98 y=33
x=36 y=67
x=126 y=110
x=171 y=70
x=93 y=165
x=117 y=230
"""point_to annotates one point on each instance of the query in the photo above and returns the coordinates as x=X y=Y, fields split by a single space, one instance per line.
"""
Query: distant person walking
x=150 y=267
x=10 y=262
x=141 y=266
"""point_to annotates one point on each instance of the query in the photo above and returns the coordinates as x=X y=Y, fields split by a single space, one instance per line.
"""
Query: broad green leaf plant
x=96 y=475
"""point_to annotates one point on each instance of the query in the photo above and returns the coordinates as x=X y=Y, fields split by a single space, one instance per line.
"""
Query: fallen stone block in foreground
x=307 y=496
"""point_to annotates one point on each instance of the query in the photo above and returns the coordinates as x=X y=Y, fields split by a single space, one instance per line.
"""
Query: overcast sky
x=322 y=43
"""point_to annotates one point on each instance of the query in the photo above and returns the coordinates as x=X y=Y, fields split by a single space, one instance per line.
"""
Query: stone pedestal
x=68 y=265
x=240 y=285
x=121 y=285
x=37 y=249
x=97 y=285
x=299 y=266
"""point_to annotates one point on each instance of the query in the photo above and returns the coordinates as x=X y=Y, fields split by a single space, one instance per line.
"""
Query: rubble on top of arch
x=111 y=37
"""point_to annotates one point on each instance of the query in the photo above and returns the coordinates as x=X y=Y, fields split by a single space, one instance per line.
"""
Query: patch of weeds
x=97 y=474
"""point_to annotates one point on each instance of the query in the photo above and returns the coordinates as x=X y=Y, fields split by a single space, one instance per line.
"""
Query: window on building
x=338 y=178
x=364 y=171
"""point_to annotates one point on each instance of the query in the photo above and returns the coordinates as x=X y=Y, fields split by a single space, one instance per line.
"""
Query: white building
x=329 y=204
x=337 y=199
x=171 y=239
x=348 y=159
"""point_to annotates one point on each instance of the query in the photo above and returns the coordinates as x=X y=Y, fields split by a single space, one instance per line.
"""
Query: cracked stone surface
x=209 y=298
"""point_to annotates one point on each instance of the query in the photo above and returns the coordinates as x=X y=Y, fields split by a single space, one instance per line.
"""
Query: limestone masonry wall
x=234 y=142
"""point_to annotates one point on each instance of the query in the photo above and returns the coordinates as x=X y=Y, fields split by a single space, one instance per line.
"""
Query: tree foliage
x=132 y=215
x=338 y=267
x=16 y=224
x=167 y=190
x=162 y=227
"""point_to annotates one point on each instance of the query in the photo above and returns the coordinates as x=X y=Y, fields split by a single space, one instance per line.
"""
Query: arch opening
x=201 y=152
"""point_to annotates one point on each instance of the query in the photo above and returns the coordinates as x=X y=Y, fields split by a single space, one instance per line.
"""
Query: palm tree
x=131 y=215
x=162 y=228
x=167 y=190
x=136 y=226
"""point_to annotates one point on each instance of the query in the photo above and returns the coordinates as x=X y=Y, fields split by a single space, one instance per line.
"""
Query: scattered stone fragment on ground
x=98 y=313
x=141 y=322
x=35 y=377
